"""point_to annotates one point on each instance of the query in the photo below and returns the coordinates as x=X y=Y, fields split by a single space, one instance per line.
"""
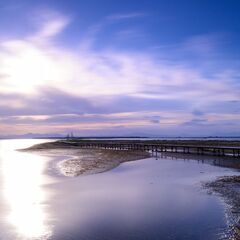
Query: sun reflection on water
x=22 y=185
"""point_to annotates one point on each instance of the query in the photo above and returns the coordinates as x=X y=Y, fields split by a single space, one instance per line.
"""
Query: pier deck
x=187 y=149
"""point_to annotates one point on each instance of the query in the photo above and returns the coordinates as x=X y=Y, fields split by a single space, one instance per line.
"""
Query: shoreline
x=228 y=189
x=81 y=162
x=85 y=162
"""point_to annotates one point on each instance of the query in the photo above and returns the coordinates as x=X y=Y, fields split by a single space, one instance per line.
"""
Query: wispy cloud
x=124 y=16
x=44 y=79
x=50 y=23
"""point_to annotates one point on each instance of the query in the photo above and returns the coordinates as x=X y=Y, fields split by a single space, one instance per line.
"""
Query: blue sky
x=167 y=68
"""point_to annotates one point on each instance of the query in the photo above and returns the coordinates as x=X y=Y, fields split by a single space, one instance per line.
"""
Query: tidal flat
x=86 y=161
x=157 y=197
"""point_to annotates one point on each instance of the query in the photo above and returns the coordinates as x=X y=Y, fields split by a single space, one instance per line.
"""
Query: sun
x=26 y=69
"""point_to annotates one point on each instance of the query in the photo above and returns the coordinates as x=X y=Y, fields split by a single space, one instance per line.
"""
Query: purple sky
x=152 y=68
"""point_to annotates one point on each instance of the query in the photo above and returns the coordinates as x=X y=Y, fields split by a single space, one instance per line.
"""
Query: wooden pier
x=185 y=149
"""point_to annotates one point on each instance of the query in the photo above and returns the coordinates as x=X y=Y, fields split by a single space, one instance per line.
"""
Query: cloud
x=130 y=34
x=53 y=101
x=196 y=121
x=112 y=21
x=28 y=66
x=46 y=102
x=197 y=113
x=204 y=44
x=50 y=23
x=155 y=121
x=52 y=28
x=84 y=87
x=125 y=16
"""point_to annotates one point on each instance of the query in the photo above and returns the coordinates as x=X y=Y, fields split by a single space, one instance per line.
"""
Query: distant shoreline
x=181 y=141
x=29 y=136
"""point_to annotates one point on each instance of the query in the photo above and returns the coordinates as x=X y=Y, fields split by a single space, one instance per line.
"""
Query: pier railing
x=186 y=149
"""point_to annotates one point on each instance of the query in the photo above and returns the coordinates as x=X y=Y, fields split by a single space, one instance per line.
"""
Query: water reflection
x=22 y=189
x=226 y=161
x=145 y=199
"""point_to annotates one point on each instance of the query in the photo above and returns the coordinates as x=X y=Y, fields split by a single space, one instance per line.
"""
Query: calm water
x=147 y=199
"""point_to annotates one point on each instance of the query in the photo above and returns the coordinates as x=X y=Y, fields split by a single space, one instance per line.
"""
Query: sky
x=120 y=67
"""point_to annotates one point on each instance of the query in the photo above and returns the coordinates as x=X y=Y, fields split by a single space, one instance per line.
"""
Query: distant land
x=57 y=136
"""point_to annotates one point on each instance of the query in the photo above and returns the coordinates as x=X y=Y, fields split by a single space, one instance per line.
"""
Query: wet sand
x=86 y=161
x=228 y=187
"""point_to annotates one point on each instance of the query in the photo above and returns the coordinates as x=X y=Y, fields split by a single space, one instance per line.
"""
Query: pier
x=185 y=149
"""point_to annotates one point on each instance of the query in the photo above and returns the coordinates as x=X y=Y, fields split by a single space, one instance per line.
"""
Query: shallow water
x=146 y=199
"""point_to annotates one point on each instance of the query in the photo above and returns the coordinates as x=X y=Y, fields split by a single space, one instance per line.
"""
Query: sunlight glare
x=28 y=69
x=22 y=181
